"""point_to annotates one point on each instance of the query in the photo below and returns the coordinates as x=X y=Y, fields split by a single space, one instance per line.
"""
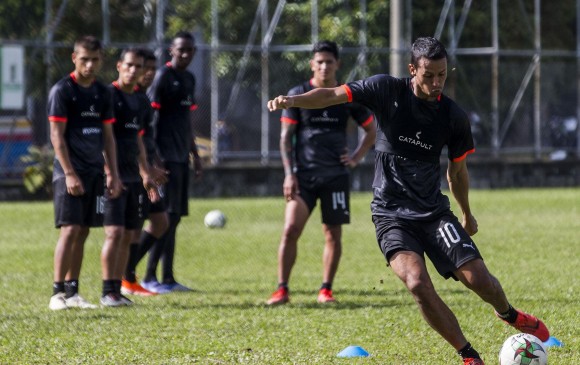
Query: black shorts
x=443 y=240
x=128 y=210
x=176 y=197
x=334 y=195
x=85 y=210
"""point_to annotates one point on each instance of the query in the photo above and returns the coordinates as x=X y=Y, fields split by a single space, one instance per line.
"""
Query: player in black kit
x=316 y=161
x=411 y=215
x=172 y=96
x=156 y=212
x=81 y=129
x=125 y=214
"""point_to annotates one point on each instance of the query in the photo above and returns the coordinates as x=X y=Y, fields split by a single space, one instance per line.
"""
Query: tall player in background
x=81 y=117
x=313 y=146
x=172 y=96
x=124 y=215
x=412 y=217
x=156 y=212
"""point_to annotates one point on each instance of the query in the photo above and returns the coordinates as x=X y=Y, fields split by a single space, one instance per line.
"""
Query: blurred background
x=514 y=67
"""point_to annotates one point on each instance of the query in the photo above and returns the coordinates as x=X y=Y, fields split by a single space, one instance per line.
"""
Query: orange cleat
x=527 y=323
x=133 y=288
x=325 y=296
x=280 y=296
x=472 y=361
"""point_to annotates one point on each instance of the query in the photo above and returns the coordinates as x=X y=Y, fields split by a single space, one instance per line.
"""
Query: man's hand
x=151 y=188
x=74 y=185
x=158 y=174
x=197 y=166
x=347 y=160
x=281 y=102
x=469 y=224
x=290 y=187
x=114 y=186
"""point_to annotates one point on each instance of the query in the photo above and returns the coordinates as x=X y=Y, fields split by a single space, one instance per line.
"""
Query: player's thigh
x=395 y=235
x=176 y=189
x=136 y=205
x=335 y=200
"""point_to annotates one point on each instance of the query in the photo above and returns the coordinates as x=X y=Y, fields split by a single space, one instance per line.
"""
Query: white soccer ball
x=215 y=219
x=523 y=349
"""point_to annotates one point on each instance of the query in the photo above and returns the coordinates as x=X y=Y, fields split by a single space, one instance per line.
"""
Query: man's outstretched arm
x=314 y=99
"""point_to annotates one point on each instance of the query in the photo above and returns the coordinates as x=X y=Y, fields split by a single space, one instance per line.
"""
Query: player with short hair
x=316 y=161
x=156 y=212
x=81 y=131
x=124 y=215
x=172 y=97
x=411 y=215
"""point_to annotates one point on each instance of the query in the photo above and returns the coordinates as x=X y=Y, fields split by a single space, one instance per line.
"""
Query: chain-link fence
x=520 y=102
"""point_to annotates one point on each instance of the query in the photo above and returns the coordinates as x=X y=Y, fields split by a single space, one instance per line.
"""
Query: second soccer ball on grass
x=215 y=219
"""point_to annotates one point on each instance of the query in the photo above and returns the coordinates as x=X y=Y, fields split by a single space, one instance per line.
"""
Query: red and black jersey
x=411 y=134
x=321 y=134
x=129 y=116
x=84 y=110
x=172 y=94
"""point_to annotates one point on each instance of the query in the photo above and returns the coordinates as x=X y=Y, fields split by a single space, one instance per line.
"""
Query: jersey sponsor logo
x=133 y=124
x=91 y=113
x=396 y=104
x=89 y=131
x=416 y=141
x=187 y=102
x=324 y=118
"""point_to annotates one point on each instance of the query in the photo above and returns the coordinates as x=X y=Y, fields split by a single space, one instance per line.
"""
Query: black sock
x=468 y=352
x=71 y=287
x=117 y=286
x=146 y=241
x=326 y=286
x=509 y=316
x=283 y=285
x=108 y=287
x=57 y=287
x=132 y=262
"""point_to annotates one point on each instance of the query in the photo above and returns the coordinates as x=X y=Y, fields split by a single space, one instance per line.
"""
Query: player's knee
x=291 y=232
x=419 y=285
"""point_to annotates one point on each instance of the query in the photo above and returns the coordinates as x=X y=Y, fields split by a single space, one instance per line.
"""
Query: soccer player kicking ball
x=411 y=215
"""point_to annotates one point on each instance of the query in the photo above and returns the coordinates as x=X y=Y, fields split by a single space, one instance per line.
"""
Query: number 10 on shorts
x=449 y=234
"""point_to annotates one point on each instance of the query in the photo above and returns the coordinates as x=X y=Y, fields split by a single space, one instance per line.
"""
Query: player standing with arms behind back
x=81 y=116
x=411 y=215
x=316 y=163
x=172 y=96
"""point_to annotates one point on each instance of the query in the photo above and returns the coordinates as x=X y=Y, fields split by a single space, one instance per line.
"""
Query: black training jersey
x=172 y=94
x=128 y=109
x=84 y=110
x=321 y=134
x=149 y=128
x=411 y=134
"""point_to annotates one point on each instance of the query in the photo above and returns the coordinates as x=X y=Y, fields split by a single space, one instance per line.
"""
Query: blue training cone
x=353 y=351
x=553 y=342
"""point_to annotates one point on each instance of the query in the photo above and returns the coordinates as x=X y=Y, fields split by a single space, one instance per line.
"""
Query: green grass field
x=529 y=238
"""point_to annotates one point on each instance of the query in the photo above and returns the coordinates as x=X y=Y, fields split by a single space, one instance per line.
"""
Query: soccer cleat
x=527 y=323
x=126 y=301
x=280 y=296
x=112 y=300
x=472 y=361
x=325 y=296
x=175 y=286
x=154 y=287
x=133 y=288
x=76 y=301
x=58 y=302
